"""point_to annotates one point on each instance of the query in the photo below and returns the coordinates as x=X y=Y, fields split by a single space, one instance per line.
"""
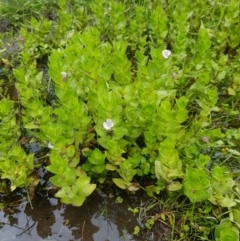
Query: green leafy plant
x=197 y=185
x=131 y=91
x=226 y=231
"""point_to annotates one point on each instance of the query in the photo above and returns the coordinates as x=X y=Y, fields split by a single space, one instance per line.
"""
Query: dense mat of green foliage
x=133 y=89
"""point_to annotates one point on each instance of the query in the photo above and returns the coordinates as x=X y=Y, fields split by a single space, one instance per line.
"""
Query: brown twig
x=82 y=230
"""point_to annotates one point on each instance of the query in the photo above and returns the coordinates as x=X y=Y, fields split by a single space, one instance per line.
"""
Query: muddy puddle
x=100 y=218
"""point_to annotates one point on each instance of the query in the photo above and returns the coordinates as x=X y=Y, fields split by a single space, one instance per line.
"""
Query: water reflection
x=17 y=226
x=99 y=219
x=108 y=230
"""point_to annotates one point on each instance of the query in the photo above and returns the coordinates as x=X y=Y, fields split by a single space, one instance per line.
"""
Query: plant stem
x=29 y=199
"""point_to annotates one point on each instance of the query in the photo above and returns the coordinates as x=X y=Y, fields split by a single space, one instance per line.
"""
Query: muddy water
x=99 y=219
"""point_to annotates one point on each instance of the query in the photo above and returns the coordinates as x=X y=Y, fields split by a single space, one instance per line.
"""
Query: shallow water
x=99 y=219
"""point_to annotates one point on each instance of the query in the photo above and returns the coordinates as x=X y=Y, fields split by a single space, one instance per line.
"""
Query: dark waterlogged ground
x=100 y=218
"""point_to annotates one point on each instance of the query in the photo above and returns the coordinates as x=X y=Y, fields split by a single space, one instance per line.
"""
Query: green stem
x=173 y=227
x=191 y=218
x=29 y=199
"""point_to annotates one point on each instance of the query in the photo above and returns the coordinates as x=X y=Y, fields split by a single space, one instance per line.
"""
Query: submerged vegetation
x=142 y=94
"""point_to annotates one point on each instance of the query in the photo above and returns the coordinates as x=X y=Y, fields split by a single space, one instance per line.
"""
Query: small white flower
x=50 y=145
x=64 y=75
x=108 y=124
x=166 y=53
x=205 y=139
x=174 y=75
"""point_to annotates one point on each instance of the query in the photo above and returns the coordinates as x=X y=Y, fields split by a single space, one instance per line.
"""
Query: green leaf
x=100 y=131
x=136 y=230
x=147 y=112
x=236 y=79
x=78 y=199
x=196 y=185
x=135 y=132
x=182 y=116
x=88 y=189
x=221 y=75
x=58 y=164
x=64 y=192
x=103 y=142
x=65 y=200
x=111 y=167
x=236 y=216
x=181 y=104
x=80 y=172
x=157 y=169
x=204 y=78
x=234 y=152
x=174 y=186
x=82 y=182
x=119 y=132
x=31 y=125
x=231 y=91
x=215 y=134
x=203 y=160
x=120 y=183
x=222 y=200
x=132 y=187
x=98 y=168
x=97 y=158
x=67 y=178
x=150 y=190
x=204 y=42
x=70 y=151
x=74 y=161
x=101 y=180
x=226 y=231
x=55 y=158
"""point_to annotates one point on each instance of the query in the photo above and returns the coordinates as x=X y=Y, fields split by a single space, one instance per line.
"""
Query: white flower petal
x=105 y=126
x=64 y=75
x=205 y=139
x=174 y=75
x=108 y=124
x=166 y=53
x=50 y=145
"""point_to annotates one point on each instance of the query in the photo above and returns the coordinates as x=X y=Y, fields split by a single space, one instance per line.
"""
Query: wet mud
x=100 y=218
